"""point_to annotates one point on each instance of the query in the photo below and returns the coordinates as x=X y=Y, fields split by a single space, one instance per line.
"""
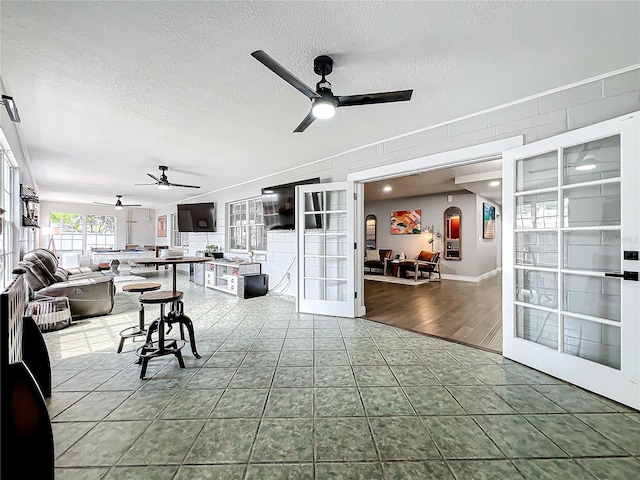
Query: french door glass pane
x=336 y=222
x=592 y=340
x=336 y=290
x=314 y=245
x=537 y=211
x=314 y=289
x=593 y=296
x=336 y=200
x=537 y=326
x=336 y=267
x=537 y=172
x=314 y=267
x=592 y=161
x=537 y=248
x=537 y=288
x=592 y=250
x=595 y=205
x=313 y=202
x=335 y=244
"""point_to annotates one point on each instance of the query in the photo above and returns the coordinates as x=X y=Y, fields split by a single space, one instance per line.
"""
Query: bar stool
x=154 y=349
x=138 y=331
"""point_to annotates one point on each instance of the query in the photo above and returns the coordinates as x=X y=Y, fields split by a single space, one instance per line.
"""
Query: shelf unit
x=30 y=206
x=224 y=276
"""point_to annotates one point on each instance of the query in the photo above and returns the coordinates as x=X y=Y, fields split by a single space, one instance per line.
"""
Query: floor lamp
x=51 y=231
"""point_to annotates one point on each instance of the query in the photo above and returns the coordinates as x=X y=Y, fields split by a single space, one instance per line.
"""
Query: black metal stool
x=153 y=349
x=138 y=331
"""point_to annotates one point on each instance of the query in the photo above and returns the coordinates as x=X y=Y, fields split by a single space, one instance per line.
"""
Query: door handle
x=624 y=275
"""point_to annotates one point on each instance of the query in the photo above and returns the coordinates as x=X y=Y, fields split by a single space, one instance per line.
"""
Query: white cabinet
x=224 y=276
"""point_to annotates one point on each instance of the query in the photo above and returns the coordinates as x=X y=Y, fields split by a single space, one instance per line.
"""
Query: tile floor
x=279 y=395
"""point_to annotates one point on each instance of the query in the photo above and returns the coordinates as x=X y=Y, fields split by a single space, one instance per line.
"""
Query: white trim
x=475 y=153
x=467 y=278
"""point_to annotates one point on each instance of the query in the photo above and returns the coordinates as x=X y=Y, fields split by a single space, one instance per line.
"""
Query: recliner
x=90 y=292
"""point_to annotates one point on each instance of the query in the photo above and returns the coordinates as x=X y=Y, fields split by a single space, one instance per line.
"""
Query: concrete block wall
x=535 y=118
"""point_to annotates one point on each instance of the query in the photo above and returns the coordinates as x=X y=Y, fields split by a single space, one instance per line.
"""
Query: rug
x=127 y=278
x=390 y=279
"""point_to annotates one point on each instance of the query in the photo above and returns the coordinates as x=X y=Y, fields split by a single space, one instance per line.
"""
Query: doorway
x=457 y=295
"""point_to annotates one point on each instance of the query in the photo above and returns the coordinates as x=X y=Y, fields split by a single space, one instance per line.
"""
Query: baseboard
x=466 y=278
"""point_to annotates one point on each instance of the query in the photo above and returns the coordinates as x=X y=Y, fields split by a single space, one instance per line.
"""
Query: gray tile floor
x=279 y=395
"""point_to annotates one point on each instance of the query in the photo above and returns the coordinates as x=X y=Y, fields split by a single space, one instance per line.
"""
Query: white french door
x=325 y=230
x=571 y=223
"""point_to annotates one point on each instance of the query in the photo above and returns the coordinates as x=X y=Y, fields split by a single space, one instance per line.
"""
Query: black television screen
x=279 y=205
x=196 y=217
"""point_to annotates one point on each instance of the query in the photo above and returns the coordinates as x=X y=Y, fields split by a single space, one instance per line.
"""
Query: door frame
x=451 y=158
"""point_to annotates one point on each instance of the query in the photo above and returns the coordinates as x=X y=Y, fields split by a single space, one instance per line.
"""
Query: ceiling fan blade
x=100 y=203
x=305 y=123
x=371 y=98
x=132 y=205
x=145 y=183
x=180 y=185
x=154 y=177
x=283 y=73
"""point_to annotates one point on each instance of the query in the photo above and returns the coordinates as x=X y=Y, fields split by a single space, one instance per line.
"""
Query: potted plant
x=212 y=251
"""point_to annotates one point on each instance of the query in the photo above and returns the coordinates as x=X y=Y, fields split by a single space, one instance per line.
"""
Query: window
x=82 y=233
x=6 y=232
x=246 y=226
x=178 y=239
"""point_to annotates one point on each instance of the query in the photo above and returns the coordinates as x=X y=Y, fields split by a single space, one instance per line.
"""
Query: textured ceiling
x=108 y=91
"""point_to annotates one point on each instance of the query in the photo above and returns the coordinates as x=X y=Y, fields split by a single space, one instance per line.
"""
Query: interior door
x=571 y=295
x=325 y=229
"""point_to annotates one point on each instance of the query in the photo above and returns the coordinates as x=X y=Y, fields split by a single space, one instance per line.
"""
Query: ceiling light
x=387 y=188
x=118 y=207
x=162 y=186
x=12 y=110
x=494 y=183
x=323 y=109
x=587 y=163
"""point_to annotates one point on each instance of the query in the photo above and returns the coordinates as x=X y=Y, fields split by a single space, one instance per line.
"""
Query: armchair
x=376 y=259
x=427 y=262
x=90 y=293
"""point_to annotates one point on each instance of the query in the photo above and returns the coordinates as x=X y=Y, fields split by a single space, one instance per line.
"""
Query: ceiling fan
x=163 y=182
x=323 y=101
x=119 y=205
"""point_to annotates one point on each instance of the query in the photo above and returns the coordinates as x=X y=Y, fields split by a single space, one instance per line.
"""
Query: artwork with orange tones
x=405 y=222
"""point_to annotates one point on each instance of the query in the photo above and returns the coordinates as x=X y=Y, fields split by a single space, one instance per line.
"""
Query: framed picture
x=162 y=226
x=488 y=221
x=405 y=222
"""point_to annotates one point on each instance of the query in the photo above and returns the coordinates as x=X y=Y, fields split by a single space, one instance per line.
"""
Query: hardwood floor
x=469 y=313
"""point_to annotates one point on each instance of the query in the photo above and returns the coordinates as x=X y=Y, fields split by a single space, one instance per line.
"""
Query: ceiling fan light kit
x=323 y=101
x=587 y=163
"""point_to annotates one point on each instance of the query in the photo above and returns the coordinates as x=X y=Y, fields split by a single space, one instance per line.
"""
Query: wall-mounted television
x=279 y=206
x=196 y=217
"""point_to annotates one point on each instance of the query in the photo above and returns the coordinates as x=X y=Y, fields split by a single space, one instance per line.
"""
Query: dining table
x=176 y=315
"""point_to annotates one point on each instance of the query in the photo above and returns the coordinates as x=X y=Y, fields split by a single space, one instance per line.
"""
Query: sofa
x=89 y=291
x=375 y=259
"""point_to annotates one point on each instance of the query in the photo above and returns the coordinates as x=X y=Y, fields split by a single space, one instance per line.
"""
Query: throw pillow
x=426 y=256
x=372 y=255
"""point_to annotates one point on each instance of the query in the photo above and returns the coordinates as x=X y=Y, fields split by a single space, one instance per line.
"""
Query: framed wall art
x=405 y=222
x=488 y=221
x=162 y=226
